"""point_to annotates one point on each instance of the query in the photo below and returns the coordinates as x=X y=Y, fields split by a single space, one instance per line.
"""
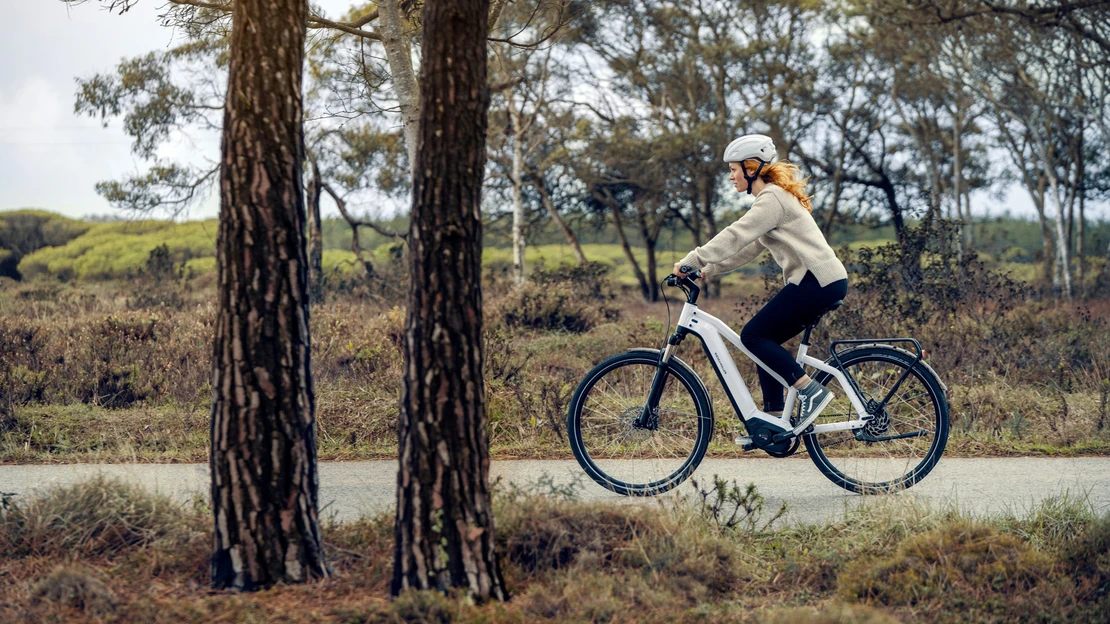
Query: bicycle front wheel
x=901 y=443
x=631 y=460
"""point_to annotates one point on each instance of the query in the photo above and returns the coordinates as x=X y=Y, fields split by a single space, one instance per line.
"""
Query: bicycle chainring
x=778 y=451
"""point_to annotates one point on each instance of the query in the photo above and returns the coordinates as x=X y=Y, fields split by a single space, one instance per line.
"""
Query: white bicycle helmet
x=751 y=147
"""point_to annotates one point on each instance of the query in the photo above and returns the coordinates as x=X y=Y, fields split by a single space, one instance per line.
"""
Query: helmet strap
x=752 y=178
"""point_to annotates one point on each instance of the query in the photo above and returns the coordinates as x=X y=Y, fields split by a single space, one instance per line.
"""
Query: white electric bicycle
x=640 y=422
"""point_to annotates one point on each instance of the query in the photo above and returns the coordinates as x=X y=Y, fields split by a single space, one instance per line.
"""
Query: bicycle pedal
x=745 y=443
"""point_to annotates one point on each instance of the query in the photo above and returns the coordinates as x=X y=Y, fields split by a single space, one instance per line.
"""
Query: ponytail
x=786 y=176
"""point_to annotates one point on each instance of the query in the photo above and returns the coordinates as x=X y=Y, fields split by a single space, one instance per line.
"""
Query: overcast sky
x=51 y=158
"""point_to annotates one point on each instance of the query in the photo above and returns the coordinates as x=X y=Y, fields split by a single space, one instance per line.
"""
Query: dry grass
x=144 y=560
x=89 y=373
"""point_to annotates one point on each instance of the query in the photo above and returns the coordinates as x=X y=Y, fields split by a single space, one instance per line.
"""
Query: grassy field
x=104 y=552
x=111 y=372
x=104 y=347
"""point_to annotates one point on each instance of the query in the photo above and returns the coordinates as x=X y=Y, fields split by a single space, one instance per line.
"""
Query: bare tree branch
x=314 y=21
x=356 y=223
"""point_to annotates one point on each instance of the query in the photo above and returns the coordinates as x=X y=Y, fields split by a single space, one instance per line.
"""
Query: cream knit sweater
x=776 y=221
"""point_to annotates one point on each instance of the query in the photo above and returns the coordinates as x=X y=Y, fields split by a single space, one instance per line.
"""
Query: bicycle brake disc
x=879 y=422
x=629 y=431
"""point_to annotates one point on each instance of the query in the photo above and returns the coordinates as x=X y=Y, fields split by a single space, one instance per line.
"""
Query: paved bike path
x=350 y=489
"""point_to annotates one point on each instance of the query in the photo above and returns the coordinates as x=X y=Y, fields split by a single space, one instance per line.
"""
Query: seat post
x=805 y=336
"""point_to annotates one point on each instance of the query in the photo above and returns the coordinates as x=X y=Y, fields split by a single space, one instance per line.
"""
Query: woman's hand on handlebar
x=685 y=271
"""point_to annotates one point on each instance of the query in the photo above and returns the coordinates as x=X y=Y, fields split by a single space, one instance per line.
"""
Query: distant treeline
x=40 y=244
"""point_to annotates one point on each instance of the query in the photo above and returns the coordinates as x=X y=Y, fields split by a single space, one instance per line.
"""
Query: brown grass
x=88 y=374
x=145 y=561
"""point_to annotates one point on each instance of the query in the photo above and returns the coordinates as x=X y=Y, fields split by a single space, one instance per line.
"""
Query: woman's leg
x=777 y=322
x=782 y=318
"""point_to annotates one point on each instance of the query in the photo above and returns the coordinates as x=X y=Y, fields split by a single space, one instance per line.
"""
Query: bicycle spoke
x=632 y=455
x=866 y=463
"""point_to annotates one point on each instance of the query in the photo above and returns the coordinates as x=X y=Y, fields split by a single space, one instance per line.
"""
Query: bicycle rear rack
x=859 y=341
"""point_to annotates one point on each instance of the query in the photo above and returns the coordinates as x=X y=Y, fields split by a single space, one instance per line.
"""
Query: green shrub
x=572 y=298
x=122 y=249
x=24 y=231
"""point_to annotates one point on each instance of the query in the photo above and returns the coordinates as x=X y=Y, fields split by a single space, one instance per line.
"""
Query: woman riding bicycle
x=780 y=221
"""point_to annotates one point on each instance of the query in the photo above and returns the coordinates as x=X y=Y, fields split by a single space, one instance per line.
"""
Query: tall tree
x=444 y=526
x=263 y=457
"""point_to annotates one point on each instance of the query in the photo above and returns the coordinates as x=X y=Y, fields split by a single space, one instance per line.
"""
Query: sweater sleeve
x=765 y=215
x=738 y=260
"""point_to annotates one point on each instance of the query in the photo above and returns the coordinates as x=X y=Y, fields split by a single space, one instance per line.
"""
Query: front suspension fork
x=649 y=416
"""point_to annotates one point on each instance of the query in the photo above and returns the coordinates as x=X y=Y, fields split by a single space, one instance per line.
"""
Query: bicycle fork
x=649 y=416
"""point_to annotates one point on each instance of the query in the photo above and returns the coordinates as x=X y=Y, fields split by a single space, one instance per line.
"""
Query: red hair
x=785 y=175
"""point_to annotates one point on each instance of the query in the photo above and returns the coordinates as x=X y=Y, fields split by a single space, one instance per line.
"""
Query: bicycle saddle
x=817 y=318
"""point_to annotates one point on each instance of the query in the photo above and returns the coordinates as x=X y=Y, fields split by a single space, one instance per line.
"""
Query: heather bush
x=574 y=299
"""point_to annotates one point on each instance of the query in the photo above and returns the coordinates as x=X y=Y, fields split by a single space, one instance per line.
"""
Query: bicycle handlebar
x=686 y=283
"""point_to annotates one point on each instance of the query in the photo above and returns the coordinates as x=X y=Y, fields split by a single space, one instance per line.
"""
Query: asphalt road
x=986 y=486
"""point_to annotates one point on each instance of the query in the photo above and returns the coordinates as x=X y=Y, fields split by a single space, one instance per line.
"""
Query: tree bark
x=838 y=182
x=650 y=236
x=645 y=288
x=263 y=456
x=1080 y=242
x=398 y=53
x=1038 y=195
x=315 y=238
x=444 y=526
x=517 y=180
x=958 y=183
x=1063 y=269
x=572 y=239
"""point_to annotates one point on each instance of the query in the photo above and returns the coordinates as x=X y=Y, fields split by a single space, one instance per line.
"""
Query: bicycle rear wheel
x=901 y=443
x=627 y=459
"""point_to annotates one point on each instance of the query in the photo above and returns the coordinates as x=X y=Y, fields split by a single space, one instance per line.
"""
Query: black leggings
x=784 y=317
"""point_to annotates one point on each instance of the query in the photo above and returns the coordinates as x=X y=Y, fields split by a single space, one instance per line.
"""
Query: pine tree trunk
x=1037 y=194
x=315 y=238
x=444 y=526
x=263 y=456
x=650 y=241
x=970 y=220
x=1080 y=233
x=830 y=218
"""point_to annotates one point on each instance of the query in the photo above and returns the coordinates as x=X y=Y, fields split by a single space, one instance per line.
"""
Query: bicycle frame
x=713 y=333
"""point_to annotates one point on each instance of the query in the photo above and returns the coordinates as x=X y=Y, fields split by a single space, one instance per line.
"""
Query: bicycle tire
x=845 y=460
x=606 y=468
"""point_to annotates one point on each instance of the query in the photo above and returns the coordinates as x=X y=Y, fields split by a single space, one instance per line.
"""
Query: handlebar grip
x=691 y=271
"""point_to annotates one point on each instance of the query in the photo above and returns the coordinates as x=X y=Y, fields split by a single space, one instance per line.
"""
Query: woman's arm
x=765 y=215
x=738 y=260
